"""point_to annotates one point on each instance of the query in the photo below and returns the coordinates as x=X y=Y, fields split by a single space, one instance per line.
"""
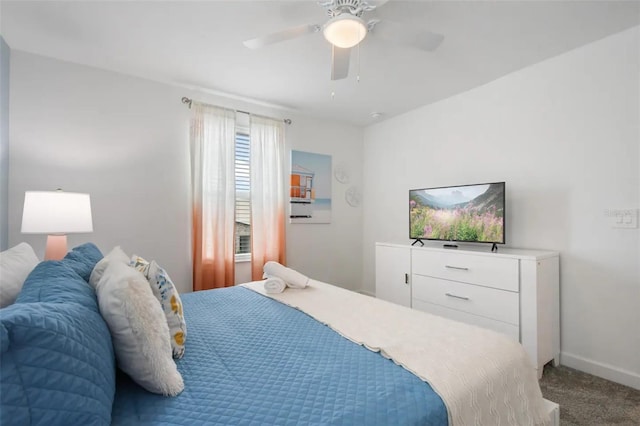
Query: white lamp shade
x=56 y=212
x=345 y=31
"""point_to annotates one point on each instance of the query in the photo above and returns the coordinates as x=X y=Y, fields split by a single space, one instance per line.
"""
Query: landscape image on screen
x=458 y=213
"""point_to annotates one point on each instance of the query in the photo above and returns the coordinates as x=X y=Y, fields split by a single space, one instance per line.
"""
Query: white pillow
x=115 y=255
x=15 y=265
x=139 y=329
x=165 y=291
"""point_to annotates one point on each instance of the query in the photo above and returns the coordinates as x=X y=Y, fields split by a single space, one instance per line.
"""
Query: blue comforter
x=251 y=360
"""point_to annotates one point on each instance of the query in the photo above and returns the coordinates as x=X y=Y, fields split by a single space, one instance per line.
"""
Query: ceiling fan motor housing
x=352 y=7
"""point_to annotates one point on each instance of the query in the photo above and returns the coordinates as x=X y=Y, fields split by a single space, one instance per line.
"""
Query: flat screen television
x=464 y=213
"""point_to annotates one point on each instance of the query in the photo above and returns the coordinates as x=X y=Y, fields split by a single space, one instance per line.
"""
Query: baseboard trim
x=606 y=371
x=368 y=293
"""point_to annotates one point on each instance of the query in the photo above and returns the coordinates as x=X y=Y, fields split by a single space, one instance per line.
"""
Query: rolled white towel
x=274 y=285
x=294 y=279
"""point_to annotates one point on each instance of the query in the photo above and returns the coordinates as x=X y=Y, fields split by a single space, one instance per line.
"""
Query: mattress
x=251 y=360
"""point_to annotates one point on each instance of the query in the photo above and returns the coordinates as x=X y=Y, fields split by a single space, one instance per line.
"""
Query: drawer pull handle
x=406 y=278
x=456 y=296
x=460 y=268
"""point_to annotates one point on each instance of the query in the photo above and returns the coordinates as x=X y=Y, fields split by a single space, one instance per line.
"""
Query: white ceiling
x=200 y=44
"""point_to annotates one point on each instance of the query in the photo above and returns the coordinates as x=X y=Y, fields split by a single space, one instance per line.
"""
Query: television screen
x=468 y=213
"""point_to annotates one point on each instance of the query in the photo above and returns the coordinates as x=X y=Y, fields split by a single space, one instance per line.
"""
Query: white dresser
x=515 y=292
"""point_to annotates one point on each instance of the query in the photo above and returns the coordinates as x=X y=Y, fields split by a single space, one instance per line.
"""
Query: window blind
x=243 y=194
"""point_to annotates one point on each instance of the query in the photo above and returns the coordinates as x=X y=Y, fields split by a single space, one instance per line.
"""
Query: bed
x=320 y=355
x=252 y=360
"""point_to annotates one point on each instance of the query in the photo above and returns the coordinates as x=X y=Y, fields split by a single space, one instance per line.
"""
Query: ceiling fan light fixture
x=345 y=30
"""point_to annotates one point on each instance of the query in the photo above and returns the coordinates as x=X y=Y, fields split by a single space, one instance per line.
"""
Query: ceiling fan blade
x=401 y=34
x=340 y=62
x=376 y=3
x=288 y=34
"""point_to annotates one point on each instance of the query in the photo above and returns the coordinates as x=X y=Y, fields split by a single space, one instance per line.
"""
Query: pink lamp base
x=56 y=247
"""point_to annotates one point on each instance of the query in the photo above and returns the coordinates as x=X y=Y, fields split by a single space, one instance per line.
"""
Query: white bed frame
x=554 y=412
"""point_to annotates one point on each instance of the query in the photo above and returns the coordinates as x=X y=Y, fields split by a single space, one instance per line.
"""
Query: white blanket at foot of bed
x=483 y=377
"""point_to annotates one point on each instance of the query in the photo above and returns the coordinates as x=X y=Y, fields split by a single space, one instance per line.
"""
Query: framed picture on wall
x=310 y=191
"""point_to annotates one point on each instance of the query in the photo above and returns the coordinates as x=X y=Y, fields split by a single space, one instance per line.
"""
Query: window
x=243 y=196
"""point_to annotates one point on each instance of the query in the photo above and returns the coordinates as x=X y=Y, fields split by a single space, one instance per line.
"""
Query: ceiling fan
x=346 y=29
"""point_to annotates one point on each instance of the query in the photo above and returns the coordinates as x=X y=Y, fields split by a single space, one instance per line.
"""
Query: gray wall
x=4 y=144
x=124 y=140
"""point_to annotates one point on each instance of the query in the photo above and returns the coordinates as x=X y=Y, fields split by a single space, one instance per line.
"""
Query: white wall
x=564 y=135
x=5 y=57
x=124 y=140
x=121 y=139
x=330 y=253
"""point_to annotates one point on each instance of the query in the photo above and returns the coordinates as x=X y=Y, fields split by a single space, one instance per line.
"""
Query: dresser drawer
x=497 y=272
x=487 y=302
x=510 y=330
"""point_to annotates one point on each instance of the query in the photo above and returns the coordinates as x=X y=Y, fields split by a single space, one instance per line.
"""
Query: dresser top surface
x=482 y=250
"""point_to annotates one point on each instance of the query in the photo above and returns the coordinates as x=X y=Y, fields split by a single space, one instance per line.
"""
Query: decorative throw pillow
x=115 y=255
x=57 y=365
x=165 y=291
x=15 y=265
x=55 y=281
x=83 y=259
x=140 y=264
x=138 y=329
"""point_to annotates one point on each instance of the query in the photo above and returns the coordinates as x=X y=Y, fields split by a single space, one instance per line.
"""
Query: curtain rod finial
x=186 y=100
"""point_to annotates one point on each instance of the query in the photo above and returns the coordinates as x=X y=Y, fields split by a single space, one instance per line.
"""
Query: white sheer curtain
x=213 y=190
x=267 y=193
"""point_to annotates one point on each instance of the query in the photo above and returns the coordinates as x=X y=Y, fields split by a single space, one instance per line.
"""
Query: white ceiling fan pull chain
x=358 y=74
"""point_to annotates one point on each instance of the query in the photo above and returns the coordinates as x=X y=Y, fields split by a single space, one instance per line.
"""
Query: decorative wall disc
x=341 y=174
x=353 y=196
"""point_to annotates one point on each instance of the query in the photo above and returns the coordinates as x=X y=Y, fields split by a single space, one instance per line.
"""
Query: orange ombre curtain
x=267 y=193
x=213 y=191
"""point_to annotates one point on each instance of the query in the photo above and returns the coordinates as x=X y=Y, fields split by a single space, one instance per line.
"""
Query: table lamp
x=56 y=213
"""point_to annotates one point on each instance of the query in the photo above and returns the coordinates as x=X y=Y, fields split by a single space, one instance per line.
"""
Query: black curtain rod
x=189 y=102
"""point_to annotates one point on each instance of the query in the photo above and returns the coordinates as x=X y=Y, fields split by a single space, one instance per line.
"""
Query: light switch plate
x=622 y=218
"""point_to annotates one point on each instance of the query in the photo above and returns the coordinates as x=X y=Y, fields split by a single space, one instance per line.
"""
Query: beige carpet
x=588 y=400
